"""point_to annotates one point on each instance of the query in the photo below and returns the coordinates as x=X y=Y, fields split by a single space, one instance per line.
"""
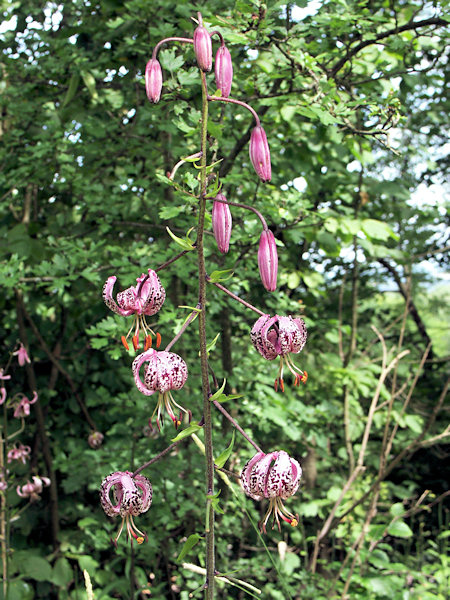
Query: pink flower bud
x=268 y=260
x=202 y=48
x=153 y=80
x=260 y=153
x=223 y=68
x=221 y=222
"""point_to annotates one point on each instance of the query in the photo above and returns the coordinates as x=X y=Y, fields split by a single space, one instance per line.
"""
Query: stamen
x=124 y=342
x=135 y=342
x=158 y=340
x=304 y=378
x=148 y=342
x=275 y=385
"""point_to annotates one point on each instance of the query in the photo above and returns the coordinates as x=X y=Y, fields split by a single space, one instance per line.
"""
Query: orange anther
x=158 y=340
x=275 y=385
x=282 y=385
x=304 y=379
x=148 y=342
x=124 y=342
x=135 y=342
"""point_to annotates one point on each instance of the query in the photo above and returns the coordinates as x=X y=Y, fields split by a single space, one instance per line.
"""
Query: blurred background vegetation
x=352 y=95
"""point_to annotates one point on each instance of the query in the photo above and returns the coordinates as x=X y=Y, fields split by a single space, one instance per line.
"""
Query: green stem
x=209 y=524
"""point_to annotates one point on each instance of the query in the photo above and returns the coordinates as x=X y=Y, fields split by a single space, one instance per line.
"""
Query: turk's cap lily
x=22 y=406
x=223 y=70
x=32 y=489
x=203 y=48
x=126 y=496
x=153 y=80
x=164 y=372
x=260 y=153
x=95 y=439
x=222 y=223
x=143 y=299
x=22 y=355
x=268 y=260
x=275 y=476
x=281 y=336
x=19 y=452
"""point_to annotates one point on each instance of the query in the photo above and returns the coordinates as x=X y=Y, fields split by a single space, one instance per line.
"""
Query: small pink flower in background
x=95 y=439
x=203 y=48
x=4 y=376
x=153 y=80
x=165 y=371
x=144 y=299
x=32 y=490
x=222 y=223
x=281 y=336
x=2 y=395
x=20 y=452
x=22 y=406
x=275 y=476
x=22 y=355
x=260 y=153
x=131 y=496
x=268 y=260
x=3 y=484
x=223 y=69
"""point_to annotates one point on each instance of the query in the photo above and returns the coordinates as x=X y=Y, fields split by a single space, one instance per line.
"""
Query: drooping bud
x=203 y=48
x=153 y=80
x=268 y=260
x=223 y=69
x=221 y=222
x=260 y=153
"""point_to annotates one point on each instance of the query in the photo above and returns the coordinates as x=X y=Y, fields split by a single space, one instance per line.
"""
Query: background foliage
x=352 y=97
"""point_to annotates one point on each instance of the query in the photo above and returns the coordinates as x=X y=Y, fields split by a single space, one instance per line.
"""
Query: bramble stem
x=209 y=522
x=224 y=289
x=191 y=317
x=156 y=458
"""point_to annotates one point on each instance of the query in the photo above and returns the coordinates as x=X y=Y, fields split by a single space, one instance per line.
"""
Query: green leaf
x=400 y=529
x=225 y=455
x=192 y=541
x=216 y=395
x=184 y=243
x=218 y=276
x=378 y=229
x=212 y=344
x=193 y=428
x=72 y=89
x=62 y=572
x=37 y=568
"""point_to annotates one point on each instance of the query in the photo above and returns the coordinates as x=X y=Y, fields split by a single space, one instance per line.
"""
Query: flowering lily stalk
x=153 y=80
x=275 y=476
x=202 y=46
x=22 y=405
x=223 y=70
x=281 y=336
x=165 y=371
x=260 y=153
x=221 y=222
x=19 y=452
x=144 y=299
x=131 y=496
x=268 y=260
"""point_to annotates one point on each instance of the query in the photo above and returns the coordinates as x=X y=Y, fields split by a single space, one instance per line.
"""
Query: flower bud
x=153 y=80
x=223 y=69
x=202 y=48
x=260 y=154
x=221 y=222
x=268 y=260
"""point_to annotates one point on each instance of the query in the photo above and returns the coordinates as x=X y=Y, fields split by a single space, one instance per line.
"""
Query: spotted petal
x=137 y=363
x=109 y=300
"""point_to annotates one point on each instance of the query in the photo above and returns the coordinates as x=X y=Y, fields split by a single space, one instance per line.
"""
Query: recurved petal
x=109 y=300
x=260 y=338
x=153 y=294
x=147 y=356
x=248 y=481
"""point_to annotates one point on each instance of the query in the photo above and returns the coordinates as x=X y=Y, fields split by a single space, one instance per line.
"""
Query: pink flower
x=268 y=260
x=221 y=222
x=3 y=484
x=22 y=355
x=203 y=48
x=153 y=80
x=281 y=336
x=223 y=69
x=4 y=376
x=260 y=153
x=20 y=452
x=165 y=371
x=22 y=406
x=131 y=496
x=275 y=476
x=32 y=490
x=2 y=395
x=95 y=439
x=144 y=299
